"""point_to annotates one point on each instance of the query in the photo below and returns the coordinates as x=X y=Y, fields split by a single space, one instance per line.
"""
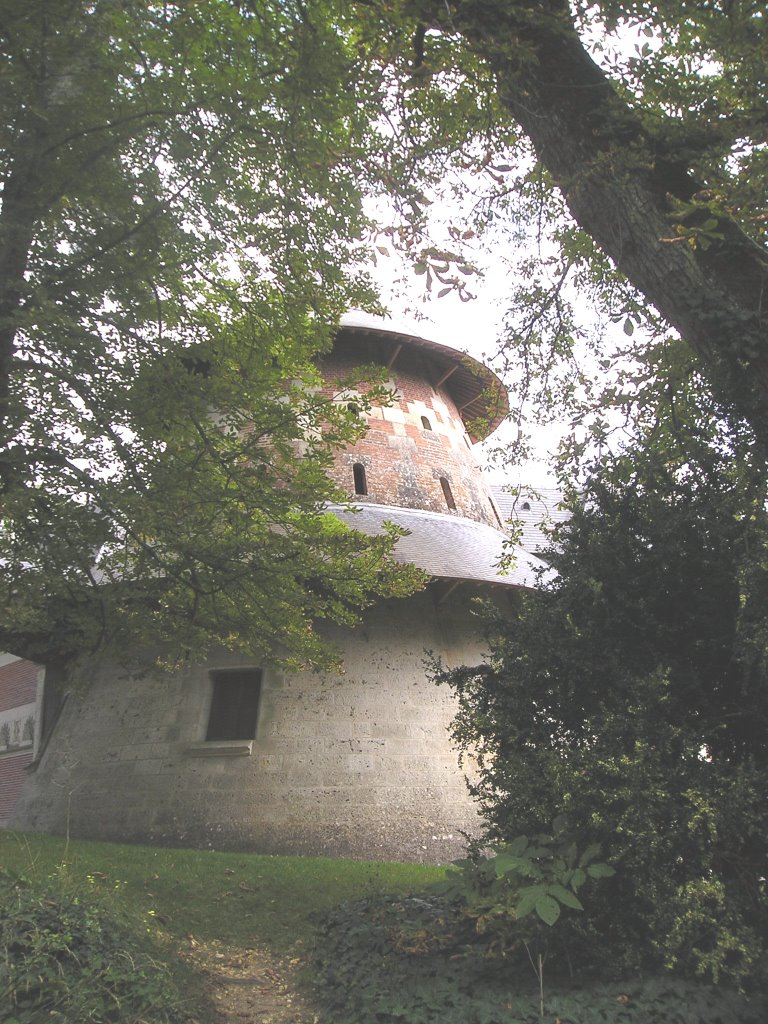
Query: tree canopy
x=180 y=230
x=197 y=175
x=627 y=698
x=632 y=137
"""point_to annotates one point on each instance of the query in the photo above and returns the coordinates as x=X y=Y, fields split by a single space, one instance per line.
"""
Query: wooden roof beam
x=395 y=354
x=451 y=370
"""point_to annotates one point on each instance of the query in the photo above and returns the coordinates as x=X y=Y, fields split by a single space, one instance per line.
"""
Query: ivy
x=402 y=960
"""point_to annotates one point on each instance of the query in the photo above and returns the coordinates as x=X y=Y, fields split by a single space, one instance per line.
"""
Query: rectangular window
x=234 y=704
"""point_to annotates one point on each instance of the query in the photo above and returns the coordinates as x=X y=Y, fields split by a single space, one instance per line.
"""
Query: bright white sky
x=475 y=326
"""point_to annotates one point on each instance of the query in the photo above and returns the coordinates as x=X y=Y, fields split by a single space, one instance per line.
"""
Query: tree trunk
x=18 y=219
x=620 y=184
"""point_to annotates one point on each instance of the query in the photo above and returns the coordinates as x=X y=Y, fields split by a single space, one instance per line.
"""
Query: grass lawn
x=383 y=958
x=235 y=898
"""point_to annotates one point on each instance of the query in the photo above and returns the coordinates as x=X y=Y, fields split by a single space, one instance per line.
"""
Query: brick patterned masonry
x=18 y=683
x=404 y=461
x=18 y=712
x=13 y=774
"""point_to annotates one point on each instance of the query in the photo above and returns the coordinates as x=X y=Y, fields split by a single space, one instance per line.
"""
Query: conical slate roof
x=536 y=511
x=450 y=547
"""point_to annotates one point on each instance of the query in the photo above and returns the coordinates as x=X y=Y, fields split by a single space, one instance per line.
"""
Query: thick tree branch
x=623 y=187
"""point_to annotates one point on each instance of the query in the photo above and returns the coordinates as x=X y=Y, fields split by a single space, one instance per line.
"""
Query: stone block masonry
x=357 y=765
x=405 y=460
x=229 y=754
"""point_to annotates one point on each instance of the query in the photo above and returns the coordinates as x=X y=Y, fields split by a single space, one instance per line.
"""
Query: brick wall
x=18 y=719
x=13 y=775
x=405 y=458
x=18 y=682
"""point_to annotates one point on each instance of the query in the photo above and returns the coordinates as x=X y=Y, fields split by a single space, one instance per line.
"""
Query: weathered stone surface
x=358 y=764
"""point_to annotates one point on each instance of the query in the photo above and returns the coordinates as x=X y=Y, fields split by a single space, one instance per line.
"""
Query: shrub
x=66 y=955
x=405 y=960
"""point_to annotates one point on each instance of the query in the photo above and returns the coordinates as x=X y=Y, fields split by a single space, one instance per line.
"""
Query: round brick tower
x=417 y=452
x=231 y=754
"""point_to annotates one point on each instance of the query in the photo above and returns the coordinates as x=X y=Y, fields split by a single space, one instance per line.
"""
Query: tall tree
x=659 y=153
x=629 y=695
x=179 y=230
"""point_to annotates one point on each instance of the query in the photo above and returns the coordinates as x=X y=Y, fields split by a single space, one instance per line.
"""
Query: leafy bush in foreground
x=405 y=960
x=66 y=956
x=629 y=698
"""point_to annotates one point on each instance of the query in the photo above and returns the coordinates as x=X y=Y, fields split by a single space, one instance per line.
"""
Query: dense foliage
x=408 y=960
x=630 y=695
x=634 y=159
x=65 y=955
x=178 y=177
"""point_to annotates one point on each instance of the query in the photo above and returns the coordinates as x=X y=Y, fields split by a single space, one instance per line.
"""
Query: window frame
x=450 y=501
x=360 y=479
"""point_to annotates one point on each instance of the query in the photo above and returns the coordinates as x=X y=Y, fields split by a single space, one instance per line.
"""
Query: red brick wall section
x=18 y=684
x=12 y=776
x=403 y=461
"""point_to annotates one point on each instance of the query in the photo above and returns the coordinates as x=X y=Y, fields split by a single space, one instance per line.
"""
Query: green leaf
x=518 y=845
x=578 y=878
x=528 y=901
x=504 y=863
x=548 y=909
x=600 y=871
x=589 y=854
x=565 y=896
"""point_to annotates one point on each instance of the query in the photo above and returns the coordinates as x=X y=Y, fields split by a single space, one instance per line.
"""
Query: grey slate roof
x=535 y=510
x=449 y=547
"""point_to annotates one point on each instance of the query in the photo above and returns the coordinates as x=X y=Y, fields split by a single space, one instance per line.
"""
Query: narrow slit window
x=447 y=492
x=425 y=423
x=234 y=704
x=361 y=484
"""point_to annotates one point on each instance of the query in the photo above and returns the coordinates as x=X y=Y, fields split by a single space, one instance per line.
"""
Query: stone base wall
x=357 y=765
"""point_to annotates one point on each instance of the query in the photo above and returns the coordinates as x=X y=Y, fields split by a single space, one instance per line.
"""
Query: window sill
x=221 y=748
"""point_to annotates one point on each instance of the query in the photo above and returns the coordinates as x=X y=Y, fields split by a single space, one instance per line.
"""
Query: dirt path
x=250 y=986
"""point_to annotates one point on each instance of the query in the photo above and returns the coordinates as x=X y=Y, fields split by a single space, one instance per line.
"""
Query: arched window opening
x=526 y=506
x=425 y=423
x=447 y=493
x=361 y=484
